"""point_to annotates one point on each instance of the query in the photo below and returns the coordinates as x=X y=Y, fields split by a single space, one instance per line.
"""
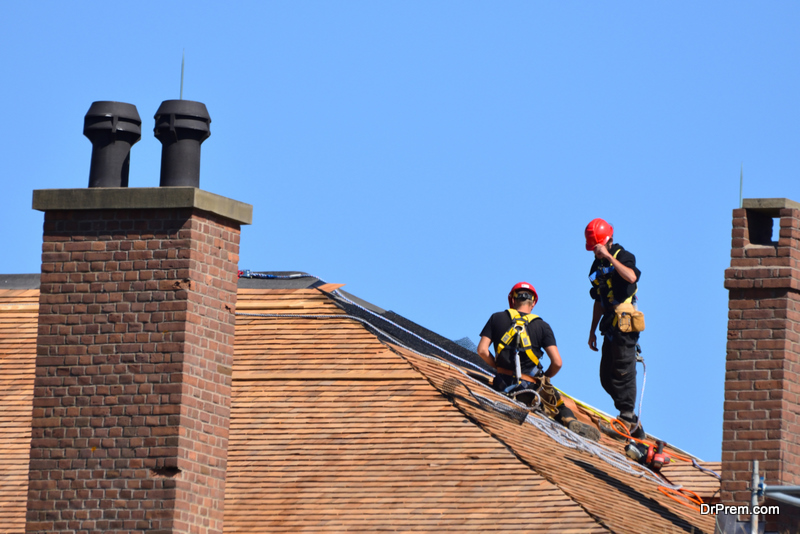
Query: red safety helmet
x=598 y=232
x=519 y=287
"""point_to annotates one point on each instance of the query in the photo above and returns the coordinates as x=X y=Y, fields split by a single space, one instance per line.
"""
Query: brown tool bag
x=629 y=319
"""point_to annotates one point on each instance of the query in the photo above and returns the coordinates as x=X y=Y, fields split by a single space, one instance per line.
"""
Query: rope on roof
x=251 y=274
x=557 y=432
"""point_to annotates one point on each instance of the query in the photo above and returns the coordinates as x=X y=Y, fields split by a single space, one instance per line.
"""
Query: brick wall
x=133 y=374
x=762 y=381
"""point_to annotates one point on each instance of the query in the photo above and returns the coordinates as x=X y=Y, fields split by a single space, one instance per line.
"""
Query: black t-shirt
x=608 y=286
x=539 y=331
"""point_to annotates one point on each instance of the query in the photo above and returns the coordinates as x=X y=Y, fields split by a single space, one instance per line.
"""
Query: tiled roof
x=686 y=475
x=18 y=315
x=614 y=497
x=334 y=429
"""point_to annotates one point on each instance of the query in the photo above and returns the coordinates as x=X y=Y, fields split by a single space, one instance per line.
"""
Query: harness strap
x=608 y=282
x=626 y=301
x=611 y=294
x=506 y=372
x=519 y=327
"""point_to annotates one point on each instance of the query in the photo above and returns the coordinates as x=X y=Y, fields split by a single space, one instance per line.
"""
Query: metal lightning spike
x=183 y=61
x=741 y=181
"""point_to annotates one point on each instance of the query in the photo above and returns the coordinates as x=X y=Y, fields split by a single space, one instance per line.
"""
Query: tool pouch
x=629 y=319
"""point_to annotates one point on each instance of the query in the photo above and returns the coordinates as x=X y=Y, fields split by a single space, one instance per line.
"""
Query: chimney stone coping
x=769 y=204
x=141 y=198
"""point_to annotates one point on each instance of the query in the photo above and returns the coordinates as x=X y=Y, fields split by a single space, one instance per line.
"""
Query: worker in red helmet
x=520 y=338
x=613 y=276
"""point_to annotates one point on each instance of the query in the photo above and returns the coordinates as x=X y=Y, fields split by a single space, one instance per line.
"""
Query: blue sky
x=431 y=154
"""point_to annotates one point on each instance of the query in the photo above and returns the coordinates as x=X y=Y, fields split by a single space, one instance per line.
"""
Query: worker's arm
x=627 y=274
x=555 y=361
x=483 y=352
x=597 y=313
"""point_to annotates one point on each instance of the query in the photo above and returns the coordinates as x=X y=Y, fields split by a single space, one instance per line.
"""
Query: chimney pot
x=113 y=128
x=181 y=126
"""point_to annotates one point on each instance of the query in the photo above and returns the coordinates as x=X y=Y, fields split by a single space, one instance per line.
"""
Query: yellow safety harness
x=520 y=322
x=610 y=294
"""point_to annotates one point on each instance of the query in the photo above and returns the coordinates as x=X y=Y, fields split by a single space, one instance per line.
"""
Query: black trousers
x=618 y=368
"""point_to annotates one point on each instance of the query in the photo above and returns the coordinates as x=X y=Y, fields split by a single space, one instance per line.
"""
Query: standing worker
x=613 y=276
x=519 y=337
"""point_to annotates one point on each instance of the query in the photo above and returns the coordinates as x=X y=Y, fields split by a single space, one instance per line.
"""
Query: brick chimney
x=762 y=380
x=134 y=354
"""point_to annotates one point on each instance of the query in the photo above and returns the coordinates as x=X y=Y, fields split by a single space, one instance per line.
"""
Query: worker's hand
x=593 y=341
x=601 y=252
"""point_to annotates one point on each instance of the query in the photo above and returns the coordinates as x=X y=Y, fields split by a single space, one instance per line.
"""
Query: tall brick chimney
x=762 y=380
x=134 y=354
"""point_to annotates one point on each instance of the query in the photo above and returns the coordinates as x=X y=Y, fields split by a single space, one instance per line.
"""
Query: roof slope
x=333 y=431
x=684 y=474
x=18 y=316
x=618 y=499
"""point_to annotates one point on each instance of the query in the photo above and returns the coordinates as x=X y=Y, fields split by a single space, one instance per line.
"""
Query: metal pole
x=741 y=182
x=183 y=60
x=781 y=489
x=784 y=498
x=754 y=499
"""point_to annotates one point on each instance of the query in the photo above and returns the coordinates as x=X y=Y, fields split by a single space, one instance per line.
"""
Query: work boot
x=630 y=420
x=582 y=429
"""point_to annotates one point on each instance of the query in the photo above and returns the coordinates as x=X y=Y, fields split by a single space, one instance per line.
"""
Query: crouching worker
x=519 y=337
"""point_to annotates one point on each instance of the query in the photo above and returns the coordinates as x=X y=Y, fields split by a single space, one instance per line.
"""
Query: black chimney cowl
x=113 y=128
x=181 y=126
